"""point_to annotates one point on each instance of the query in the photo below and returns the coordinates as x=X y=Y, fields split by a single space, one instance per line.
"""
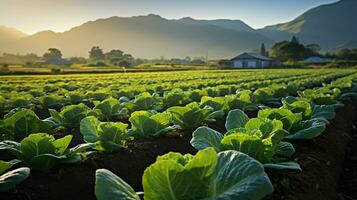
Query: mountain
x=332 y=25
x=10 y=34
x=148 y=36
x=236 y=25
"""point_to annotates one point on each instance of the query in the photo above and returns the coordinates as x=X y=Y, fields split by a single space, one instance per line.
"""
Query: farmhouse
x=251 y=60
x=317 y=59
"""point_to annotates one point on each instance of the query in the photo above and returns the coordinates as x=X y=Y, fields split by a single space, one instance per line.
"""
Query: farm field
x=201 y=134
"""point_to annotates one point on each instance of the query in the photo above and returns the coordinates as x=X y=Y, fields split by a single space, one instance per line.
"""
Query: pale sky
x=31 y=16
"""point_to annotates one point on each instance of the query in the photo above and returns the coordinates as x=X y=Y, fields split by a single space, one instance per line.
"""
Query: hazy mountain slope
x=145 y=36
x=329 y=25
x=237 y=25
x=10 y=34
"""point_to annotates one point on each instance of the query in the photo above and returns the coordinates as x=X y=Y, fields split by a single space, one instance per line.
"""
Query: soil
x=321 y=160
x=348 y=185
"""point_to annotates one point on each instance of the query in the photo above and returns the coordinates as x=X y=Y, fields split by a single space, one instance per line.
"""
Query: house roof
x=317 y=59
x=244 y=56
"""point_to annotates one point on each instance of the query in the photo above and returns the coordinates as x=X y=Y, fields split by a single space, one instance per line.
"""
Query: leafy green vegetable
x=109 y=108
x=41 y=151
x=108 y=136
x=10 y=179
x=148 y=124
x=174 y=98
x=266 y=148
x=227 y=175
x=7 y=165
x=288 y=118
x=144 y=101
x=192 y=116
x=20 y=124
x=109 y=186
x=70 y=116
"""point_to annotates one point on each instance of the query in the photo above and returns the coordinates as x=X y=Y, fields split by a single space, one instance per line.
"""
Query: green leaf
x=264 y=125
x=248 y=144
x=109 y=107
x=22 y=123
x=285 y=149
x=323 y=111
x=204 y=137
x=168 y=179
x=62 y=144
x=192 y=116
x=147 y=124
x=307 y=129
x=89 y=129
x=11 y=178
x=238 y=176
x=283 y=166
x=288 y=118
x=108 y=186
x=4 y=166
x=236 y=119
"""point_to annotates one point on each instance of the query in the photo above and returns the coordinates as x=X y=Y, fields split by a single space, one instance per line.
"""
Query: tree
x=314 y=47
x=294 y=40
x=52 y=54
x=96 y=53
x=262 y=50
x=347 y=54
x=291 y=51
x=114 y=54
x=124 y=63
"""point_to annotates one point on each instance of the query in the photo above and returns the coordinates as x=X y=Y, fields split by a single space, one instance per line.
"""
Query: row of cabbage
x=186 y=114
x=299 y=118
x=232 y=165
x=20 y=95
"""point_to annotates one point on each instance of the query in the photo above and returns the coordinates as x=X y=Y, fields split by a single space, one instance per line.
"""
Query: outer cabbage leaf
x=204 y=137
x=22 y=123
x=13 y=177
x=109 y=186
x=238 y=176
x=169 y=179
x=148 y=124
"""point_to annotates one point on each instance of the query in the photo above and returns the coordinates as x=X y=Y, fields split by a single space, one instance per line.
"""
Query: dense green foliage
x=42 y=114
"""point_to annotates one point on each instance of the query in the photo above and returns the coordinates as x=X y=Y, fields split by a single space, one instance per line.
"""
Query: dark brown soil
x=77 y=181
x=321 y=160
x=348 y=183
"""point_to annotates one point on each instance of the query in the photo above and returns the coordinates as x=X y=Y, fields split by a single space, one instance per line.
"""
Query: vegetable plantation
x=215 y=134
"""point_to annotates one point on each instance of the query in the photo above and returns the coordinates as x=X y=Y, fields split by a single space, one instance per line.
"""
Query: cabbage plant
x=41 y=151
x=192 y=116
x=259 y=138
x=10 y=179
x=228 y=175
x=143 y=101
x=70 y=116
x=20 y=123
x=149 y=124
x=294 y=123
x=109 y=108
x=108 y=136
x=175 y=97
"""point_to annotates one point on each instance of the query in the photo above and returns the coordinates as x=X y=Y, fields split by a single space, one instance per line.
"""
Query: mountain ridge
x=152 y=36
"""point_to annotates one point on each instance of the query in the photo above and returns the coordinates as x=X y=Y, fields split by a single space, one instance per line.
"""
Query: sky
x=31 y=16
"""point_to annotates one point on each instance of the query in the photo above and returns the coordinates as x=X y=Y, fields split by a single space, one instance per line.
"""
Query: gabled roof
x=250 y=56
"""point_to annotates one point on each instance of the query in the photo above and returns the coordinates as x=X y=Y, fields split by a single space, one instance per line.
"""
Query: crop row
x=228 y=165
